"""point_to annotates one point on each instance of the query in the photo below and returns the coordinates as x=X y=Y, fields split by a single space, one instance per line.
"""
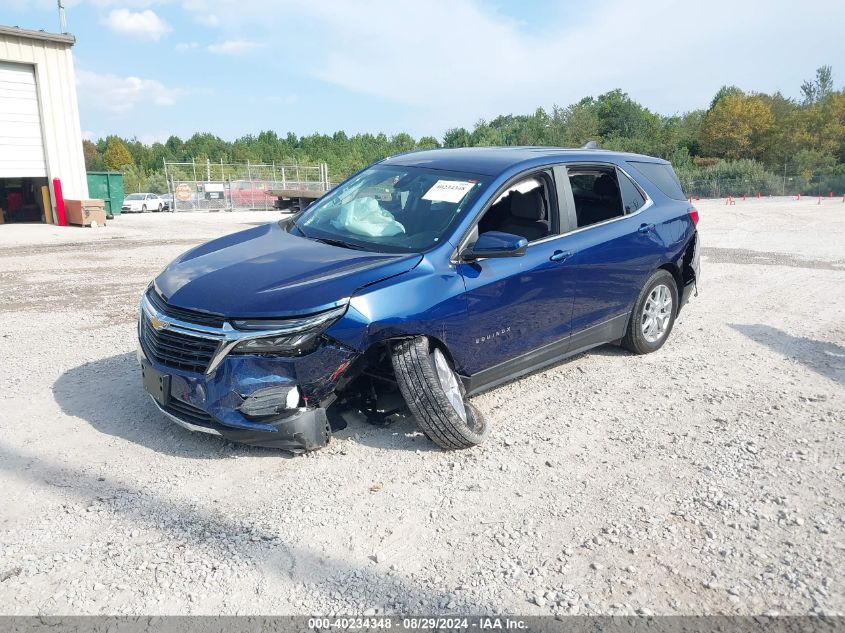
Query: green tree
x=619 y=115
x=736 y=127
x=721 y=93
x=741 y=137
x=574 y=125
x=116 y=156
x=817 y=89
x=93 y=160
x=456 y=137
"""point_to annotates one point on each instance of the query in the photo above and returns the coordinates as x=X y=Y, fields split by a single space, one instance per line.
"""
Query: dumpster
x=108 y=187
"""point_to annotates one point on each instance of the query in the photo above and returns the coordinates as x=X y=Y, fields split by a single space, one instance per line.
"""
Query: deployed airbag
x=364 y=216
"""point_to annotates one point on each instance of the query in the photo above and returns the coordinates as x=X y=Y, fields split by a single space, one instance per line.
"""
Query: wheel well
x=385 y=346
x=682 y=276
x=377 y=357
x=676 y=275
x=369 y=385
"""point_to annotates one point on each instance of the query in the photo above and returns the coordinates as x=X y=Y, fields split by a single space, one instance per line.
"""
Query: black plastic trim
x=606 y=332
x=306 y=430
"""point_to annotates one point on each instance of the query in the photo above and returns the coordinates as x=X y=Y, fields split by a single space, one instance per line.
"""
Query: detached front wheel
x=435 y=395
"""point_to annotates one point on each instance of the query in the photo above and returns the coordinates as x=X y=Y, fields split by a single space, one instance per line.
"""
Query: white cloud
x=208 y=19
x=144 y=24
x=117 y=95
x=452 y=61
x=234 y=47
x=183 y=47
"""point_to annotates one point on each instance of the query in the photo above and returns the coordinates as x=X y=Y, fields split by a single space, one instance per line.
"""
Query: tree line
x=743 y=143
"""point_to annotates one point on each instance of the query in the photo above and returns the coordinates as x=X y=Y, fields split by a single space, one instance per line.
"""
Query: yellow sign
x=183 y=192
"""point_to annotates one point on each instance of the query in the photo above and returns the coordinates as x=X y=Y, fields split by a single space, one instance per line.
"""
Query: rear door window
x=596 y=193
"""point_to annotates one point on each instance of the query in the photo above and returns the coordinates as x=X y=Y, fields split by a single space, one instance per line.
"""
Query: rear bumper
x=691 y=273
x=687 y=291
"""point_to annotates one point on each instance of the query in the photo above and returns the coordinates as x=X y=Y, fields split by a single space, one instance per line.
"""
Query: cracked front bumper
x=210 y=403
x=305 y=430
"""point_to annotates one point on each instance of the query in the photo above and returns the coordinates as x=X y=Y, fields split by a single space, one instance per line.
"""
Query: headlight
x=296 y=344
x=284 y=336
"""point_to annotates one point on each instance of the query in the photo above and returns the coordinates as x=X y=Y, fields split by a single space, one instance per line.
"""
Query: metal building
x=40 y=134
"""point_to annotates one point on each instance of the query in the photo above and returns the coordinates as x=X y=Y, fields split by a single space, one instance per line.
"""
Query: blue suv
x=418 y=282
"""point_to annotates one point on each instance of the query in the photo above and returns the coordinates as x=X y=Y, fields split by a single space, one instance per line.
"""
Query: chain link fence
x=208 y=186
x=764 y=185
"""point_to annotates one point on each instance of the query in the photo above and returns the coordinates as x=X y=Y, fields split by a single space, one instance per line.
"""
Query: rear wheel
x=653 y=315
x=435 y=395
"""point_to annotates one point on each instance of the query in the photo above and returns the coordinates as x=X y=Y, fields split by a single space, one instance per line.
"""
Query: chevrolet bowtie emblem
x=158 y=324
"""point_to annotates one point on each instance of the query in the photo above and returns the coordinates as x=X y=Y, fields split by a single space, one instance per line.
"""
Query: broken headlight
x=284 y=336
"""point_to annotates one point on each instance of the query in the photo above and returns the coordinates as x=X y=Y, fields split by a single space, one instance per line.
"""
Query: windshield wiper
x=334 y=242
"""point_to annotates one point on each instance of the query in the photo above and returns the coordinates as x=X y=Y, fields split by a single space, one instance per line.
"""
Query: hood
x=266 y=272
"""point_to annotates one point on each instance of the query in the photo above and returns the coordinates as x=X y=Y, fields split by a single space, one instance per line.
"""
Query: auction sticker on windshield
x=448 y=190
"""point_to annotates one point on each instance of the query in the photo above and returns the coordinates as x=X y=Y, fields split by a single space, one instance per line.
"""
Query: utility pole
x=783 y=188
x=62 y=18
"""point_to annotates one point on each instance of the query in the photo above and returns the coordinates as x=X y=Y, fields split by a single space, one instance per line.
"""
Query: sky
x=152 y=68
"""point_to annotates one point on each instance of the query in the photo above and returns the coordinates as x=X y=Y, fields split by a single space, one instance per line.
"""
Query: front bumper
x=213 y=401
x=305 y=430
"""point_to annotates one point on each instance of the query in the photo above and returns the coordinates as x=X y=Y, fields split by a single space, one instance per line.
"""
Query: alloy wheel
x=449 y=383
x=657 y=313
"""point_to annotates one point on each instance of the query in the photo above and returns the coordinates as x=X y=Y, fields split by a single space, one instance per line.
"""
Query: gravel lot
x=706 y=478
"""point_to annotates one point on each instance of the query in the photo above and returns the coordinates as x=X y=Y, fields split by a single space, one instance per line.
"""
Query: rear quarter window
x=632 y=199
x=663 y=177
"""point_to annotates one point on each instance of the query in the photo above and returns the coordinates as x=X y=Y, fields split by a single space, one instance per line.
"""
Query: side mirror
x=495 y=244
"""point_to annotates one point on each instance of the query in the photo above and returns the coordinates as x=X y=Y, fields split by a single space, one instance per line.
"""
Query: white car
x=142 y=202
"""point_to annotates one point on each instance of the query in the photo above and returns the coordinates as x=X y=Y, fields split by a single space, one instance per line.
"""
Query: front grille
x=176 y=350
x=189 y=413
x=182 y=314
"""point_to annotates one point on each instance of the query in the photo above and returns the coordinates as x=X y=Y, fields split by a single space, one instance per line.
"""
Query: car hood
x=267 y=272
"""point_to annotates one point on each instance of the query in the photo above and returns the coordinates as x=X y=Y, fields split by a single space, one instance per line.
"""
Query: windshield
x=390 y=208
x=135 y=196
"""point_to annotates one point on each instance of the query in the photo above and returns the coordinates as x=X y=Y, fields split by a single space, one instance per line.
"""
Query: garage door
x=21 y=146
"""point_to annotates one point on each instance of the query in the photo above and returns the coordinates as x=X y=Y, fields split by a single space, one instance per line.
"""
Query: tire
x=159 y=207
x=414 y=363
x=143 y=208
x=652 y=319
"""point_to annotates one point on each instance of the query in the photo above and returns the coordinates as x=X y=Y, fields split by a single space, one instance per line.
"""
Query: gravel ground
x=706 y=478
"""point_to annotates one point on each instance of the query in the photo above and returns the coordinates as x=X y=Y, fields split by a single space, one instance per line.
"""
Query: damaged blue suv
x=418 y=282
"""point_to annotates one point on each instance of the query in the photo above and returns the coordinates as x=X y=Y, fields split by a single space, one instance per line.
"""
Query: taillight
x=693 y=215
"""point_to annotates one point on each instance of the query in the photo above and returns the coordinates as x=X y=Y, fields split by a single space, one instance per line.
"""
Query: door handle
x=559 y=256
x=645 y=228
